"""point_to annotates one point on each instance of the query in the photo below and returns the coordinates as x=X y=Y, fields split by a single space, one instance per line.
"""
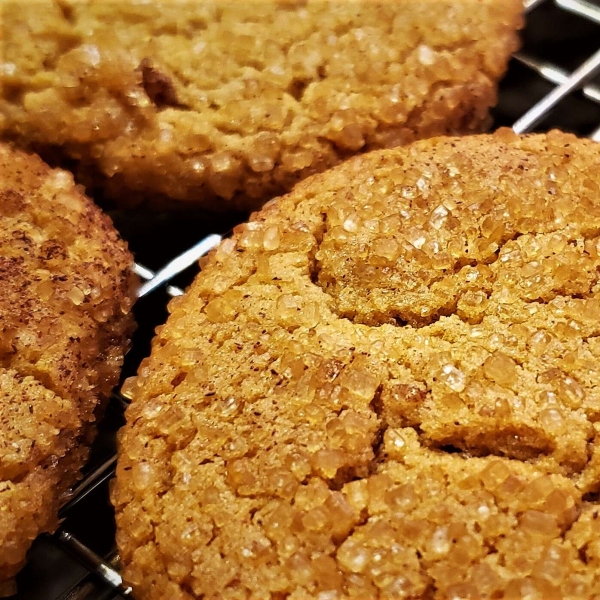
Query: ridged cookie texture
x=224 y=104
x=385 y=385
x=66 y=290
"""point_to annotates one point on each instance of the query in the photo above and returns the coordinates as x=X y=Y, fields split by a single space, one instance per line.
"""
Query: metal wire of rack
x=97 y=577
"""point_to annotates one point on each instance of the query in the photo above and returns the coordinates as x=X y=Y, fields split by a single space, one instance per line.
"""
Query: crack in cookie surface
x=363 y=416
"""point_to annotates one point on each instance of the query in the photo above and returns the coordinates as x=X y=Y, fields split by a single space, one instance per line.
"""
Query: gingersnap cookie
x=66 y=293
x=225 y=104
x=386 y=385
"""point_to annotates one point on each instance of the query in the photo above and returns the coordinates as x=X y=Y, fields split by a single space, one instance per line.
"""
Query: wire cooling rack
x=550 y=83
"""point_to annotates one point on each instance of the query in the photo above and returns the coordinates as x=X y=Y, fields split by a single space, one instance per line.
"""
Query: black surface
x=565 y=40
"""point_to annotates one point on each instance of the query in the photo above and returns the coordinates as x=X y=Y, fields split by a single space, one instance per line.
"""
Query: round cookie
x=67 y=290
x=385 y=385
x=225 y=104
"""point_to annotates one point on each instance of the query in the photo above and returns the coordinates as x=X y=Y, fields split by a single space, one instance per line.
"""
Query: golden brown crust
x=67 y=290
x=385 y=385
x=226 y=104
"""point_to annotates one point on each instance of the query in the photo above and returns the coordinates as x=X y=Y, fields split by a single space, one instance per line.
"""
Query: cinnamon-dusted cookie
x=66 y=292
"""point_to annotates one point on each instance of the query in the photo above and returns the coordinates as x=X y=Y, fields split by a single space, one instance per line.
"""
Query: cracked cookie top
x=384 y=385
x=226 y=104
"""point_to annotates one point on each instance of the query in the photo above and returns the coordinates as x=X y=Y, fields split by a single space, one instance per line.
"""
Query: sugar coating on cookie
x=226 y=104
x=386 y=384
x=66 y=293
